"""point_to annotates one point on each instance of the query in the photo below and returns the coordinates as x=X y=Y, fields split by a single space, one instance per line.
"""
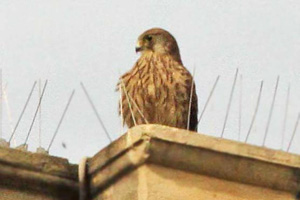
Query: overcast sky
x=68 y=42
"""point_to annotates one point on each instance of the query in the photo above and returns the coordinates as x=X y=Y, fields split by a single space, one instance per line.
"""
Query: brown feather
x=160 y=86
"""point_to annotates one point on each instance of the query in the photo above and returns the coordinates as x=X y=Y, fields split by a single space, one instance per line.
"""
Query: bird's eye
x=149 y=37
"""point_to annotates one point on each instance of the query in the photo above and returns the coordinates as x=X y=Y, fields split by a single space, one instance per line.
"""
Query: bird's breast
x=151 y=90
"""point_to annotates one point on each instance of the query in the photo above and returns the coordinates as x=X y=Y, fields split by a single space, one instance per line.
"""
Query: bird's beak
x=138 y=49
x=138 y=46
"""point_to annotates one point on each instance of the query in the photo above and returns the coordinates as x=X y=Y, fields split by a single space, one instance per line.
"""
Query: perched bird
x=157 y=89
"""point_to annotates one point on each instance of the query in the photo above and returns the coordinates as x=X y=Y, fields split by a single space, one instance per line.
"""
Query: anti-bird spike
x=61 y=120
x=3 y=142
x=138 y=109
x=255 y=111
x=229 y=102
x=36 y=111
x=8 y=110
x=191 y=99
x=271 y=111
x=294 y=133
x=128 y=101
x=121 y=109
x=95 y=111
x=22 y=113
x=40 y=114
x=240 y=106
x=208 y=100
x=285 y=116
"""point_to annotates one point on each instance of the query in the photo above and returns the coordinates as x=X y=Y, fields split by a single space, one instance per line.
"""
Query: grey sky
x=93 y=41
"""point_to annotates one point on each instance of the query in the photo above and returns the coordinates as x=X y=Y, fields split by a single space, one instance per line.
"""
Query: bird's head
x=159 y=41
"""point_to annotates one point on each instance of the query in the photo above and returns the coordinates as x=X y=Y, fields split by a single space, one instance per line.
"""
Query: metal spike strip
x=255 y=111
x=121 y=109
x=95 y=111
x=208 y=99
x=229 y=102
x=190 y=100
x=240 y=106
x=138 y=109
x=22 y=113
x=40 y=114
x=294 y=133
x=128 y=101
x=61 y=120
x=8 y=110
x=285 y=116
x=36 y=111
x=271 y=111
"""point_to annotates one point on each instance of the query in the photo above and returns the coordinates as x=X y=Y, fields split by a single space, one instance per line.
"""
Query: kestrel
x=157 y=90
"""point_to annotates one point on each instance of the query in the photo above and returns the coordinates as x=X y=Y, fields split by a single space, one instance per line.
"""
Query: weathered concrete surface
x=26 y=175
x=159 y=162
x=153 y=162
x=153 y=182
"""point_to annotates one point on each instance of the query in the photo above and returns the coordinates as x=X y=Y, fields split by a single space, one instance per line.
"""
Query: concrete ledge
x=26 y=175
x=155 y=145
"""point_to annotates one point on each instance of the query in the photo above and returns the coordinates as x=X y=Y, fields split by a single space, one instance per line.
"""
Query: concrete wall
x=152 y=182
x=158 y=162
x=153 y=162
x=26 y=176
